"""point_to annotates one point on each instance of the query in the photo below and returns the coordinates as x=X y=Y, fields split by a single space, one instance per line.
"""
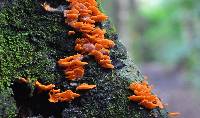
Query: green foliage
x=166 y=27
x=170 y=35
x=164 y=31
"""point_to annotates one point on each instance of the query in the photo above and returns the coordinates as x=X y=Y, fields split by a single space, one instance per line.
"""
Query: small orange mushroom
x=71 y=32
x=42 y=87
x=104 y=60
x=94 y=10
x=52 y=95
x=174 y=114
x=66 y=96
x=136 y=98
x=147 y=104
x=85 y=86
x=99 y=18
x=73 y=66
x=75 y=73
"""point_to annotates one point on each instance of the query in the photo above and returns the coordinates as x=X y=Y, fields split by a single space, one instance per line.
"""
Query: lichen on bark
x=31 y=42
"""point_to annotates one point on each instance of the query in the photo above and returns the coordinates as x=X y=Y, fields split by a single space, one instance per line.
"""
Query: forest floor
x=174 y=88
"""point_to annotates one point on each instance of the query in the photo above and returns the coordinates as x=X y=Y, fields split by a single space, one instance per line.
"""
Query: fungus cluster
x=57 y=95
x=82 y=16
x=144 y=96
x=66 y=96
x=73 y=66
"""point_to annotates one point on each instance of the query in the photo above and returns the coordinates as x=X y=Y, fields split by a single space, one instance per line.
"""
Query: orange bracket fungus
x=42 y=87
x=144 y=96
x=85 y=86
x=82 y=16
x=73 y=66
x=57 y=96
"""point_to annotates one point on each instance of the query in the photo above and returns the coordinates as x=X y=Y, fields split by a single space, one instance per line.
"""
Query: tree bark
x=32 y=40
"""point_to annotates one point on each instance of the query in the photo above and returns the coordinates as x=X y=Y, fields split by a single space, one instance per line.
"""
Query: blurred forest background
x=163 y=38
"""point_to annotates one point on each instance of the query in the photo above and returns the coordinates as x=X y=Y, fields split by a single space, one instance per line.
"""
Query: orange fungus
x=85 y=86
x=144 y=96
x=42 y=87
x=82 y=16
x=66 y=96
x=73 y=66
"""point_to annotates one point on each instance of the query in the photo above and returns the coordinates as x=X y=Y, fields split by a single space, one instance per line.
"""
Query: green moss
x=24 y=46
x=7 y=104
x=3 y=18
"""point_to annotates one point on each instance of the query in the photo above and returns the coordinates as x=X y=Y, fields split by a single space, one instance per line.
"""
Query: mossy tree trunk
x=31 y=42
